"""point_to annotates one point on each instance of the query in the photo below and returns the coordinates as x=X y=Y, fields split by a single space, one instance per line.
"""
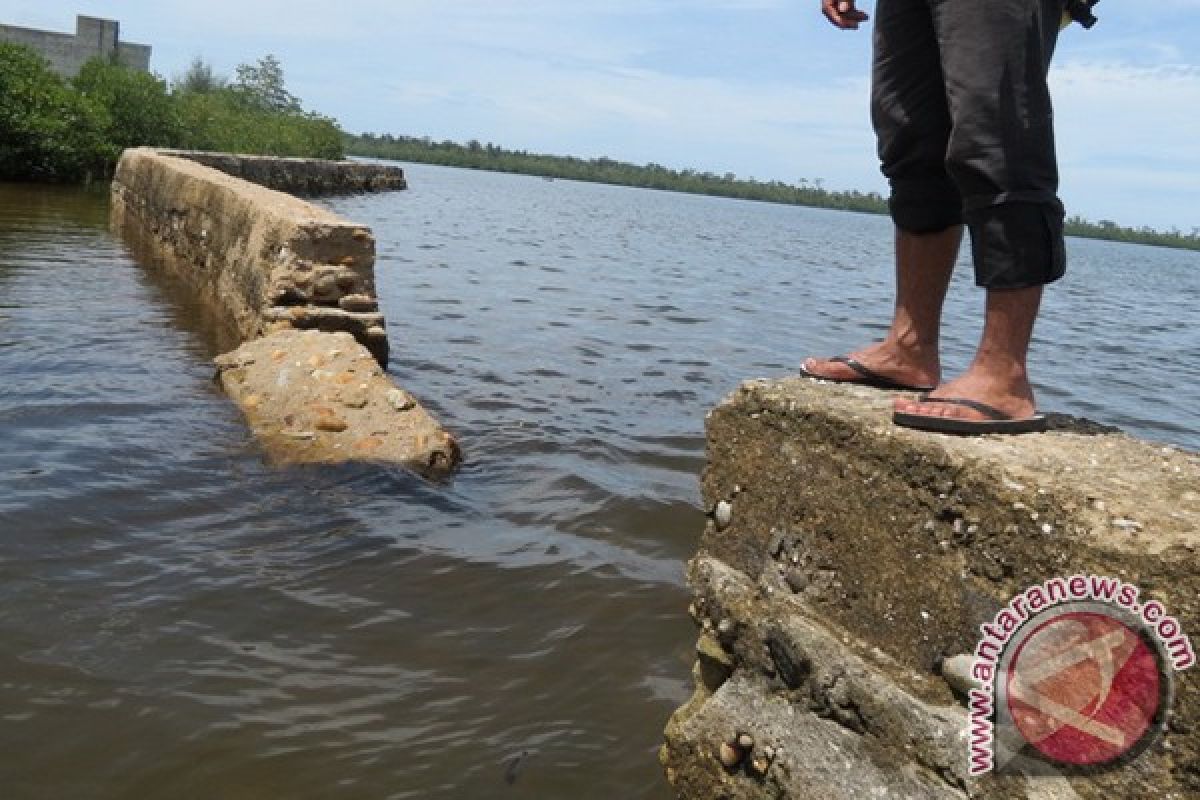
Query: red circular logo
x=1084 y=688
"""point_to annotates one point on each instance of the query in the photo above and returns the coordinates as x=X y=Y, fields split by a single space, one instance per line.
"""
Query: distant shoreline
x=492 y=158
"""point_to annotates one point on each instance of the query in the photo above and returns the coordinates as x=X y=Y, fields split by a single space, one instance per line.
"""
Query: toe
x=907 y=405
x=825 y=368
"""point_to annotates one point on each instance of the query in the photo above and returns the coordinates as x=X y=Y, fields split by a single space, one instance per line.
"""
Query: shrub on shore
x=138 y=109
x=48 y=131
x=55 y=130
x=253 y=114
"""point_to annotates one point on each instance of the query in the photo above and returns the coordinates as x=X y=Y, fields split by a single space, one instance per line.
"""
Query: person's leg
x=912 y=123
x=908 y=354
x=998 y=375
x=1001 y=156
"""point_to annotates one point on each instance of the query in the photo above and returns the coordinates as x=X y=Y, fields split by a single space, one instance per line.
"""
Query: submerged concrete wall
x=301 y=176
x=846 y=560
x=313 y=397
x=267 y=265
x=256 y=256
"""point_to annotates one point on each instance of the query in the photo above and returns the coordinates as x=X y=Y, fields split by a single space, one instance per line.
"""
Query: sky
x=762 y=88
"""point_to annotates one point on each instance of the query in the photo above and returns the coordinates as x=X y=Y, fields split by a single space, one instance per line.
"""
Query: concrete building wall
x=134 y=56
x=93 y=38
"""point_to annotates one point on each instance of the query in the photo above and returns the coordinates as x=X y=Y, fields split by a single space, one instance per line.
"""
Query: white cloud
x=571 y=76
x=769 y=129
x=1127 y=138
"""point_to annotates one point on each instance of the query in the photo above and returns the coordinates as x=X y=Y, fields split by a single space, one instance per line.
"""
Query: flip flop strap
x=861 y=369
x=983 y=408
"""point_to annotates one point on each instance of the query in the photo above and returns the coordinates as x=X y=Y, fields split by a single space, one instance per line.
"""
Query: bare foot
x=1009 y=393
x=903 y=365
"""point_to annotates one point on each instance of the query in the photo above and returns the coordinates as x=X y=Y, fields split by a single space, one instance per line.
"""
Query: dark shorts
x=962 y=112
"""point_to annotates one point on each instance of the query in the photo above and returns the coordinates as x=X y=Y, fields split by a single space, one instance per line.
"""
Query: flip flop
x=997 y=422
x=868 y=377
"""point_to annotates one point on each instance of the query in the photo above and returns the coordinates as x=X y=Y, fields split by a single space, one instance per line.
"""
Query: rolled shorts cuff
x=925 y=205
x=1017 y=244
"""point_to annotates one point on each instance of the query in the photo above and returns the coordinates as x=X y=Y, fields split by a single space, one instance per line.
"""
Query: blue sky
x=762 y=88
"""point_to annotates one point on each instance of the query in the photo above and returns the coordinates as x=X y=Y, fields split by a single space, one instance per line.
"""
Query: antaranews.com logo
x=1074 y=671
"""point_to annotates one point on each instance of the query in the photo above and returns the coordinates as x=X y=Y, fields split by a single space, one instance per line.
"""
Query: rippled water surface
x=179 y=620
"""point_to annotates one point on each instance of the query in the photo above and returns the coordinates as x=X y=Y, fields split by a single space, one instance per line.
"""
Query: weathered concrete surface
x=318 y=397
x=256 y=257
x=301 y=176
x=847 y=557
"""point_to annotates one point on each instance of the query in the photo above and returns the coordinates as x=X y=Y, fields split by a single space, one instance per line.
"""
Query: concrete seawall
x=301 y=176
x=253 y=255
x=846 y=560
x=266 y=266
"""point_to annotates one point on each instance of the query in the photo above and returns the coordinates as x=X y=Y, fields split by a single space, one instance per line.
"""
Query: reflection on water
x=179 y=620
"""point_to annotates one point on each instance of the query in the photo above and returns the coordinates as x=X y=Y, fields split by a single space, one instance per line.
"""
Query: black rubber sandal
x=997 y=422
x=868 y=377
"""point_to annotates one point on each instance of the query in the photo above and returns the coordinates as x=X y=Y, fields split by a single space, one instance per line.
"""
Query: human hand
x=843 y=14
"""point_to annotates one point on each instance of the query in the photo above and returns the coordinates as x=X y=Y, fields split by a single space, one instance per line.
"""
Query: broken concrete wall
x=257 y=258
x=292 y=287
x=313 y=397
x=847 y=559
x=301 y=176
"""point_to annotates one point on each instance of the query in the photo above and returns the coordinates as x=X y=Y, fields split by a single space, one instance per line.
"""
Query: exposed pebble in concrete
x=759 y=764
x=358 y=302
x=797 y=580
x=723 y=514
x=956 y=671
x=401 y=400
x=729 y=755
x=329 y=421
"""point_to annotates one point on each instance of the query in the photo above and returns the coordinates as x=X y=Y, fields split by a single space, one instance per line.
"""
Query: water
x=179 y=620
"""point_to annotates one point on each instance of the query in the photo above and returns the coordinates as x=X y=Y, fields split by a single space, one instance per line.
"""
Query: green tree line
x=58 y=130
x=606 y=170
x=1112 y=232
x=475 y=155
